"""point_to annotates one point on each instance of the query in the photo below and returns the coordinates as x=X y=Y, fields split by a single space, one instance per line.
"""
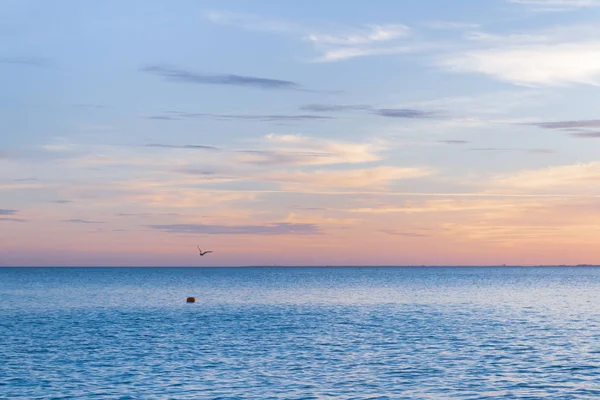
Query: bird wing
x=199 y=249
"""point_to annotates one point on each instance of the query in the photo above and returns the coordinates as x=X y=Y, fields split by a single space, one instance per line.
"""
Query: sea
x=300 y=333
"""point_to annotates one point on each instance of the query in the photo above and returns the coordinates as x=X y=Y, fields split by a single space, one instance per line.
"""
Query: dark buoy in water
x=191 y=300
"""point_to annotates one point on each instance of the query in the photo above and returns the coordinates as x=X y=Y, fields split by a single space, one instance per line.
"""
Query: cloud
x=263 y=118
x=81 y=221
x=29 y=61
x=252 y=22
x=91 y=106
x=504 y=149
x=180 y=75
x=334 y=107
x=353 y=178
x=145 y=214
x=310 y=179
x=453 y=141
x=557 y=5
x=61 y=201
x=27 y=180
x=576 y=128
x=593 y=123
x=371 y=33
x=360 y=42
x=186 y=146
x=282 y=228
x=400 y=233
x=7 y=212
x=533 y=64
x=404 y=113
x=11 y=213
x=436 y=206
x=564 y=176
x=302 y=150
x=334 y=44
x=451 y=25
x=345 y=53
x=301 y=208
x=262 y=157
x=586 y=135
x=164 y=117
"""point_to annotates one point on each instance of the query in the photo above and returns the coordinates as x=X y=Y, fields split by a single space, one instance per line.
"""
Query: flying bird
x=203 y=252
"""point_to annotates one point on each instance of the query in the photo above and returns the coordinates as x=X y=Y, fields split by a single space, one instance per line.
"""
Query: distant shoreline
x=307 y=266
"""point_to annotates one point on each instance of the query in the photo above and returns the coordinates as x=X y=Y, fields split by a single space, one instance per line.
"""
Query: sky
x=413 y=132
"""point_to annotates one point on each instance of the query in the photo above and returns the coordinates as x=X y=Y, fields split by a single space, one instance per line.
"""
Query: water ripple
x=335 y=334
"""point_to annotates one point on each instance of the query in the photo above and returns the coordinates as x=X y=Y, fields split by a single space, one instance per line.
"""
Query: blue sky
x=297 y=132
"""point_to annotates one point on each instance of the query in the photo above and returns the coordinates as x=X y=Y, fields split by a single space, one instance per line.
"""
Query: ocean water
x=300 y=333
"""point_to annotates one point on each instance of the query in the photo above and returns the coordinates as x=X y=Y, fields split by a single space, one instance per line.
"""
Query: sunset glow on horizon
x=426 y=132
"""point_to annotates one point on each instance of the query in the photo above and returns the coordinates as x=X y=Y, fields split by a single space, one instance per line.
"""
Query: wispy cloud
x=165 y=117
x=334 y=107
x=453 y=141
x=352 y=178
x=11 y=215
x=563 y=176
x=401 y=233
x=263 y=157
x=586 y=135
x=29 y=61
x=146 y=214
x=4 y=211
x=508 y=149
x=88 y=105
x=345 y=53
x=302 y=208
x=227 y=117
x=593 y=123
x=282 y=228
x=359 y=42
x=556 y=5
x=451 y=25
x=368 y=34
x=254 y=22
x=576 y=128
x=334 y=44
x=27 y=180
x=61 y=201
x=405 y=113
x=410 y=113
x=81 y=221
x=180 y=75
x=303 y=150
x=12 y=219
x=185 y=146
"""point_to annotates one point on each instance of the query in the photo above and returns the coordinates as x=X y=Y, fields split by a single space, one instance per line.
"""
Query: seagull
x=203 y=252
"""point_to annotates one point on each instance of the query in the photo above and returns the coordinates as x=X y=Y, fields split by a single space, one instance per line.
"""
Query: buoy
x=191 y=299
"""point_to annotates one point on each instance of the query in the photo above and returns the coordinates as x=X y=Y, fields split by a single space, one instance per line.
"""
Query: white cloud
x=378 y=176
x=334 y=44
x=533 y=64
x=302 y=150
x=557 y=5
x=373 y=33
x=581 y=176
x=344 y=53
